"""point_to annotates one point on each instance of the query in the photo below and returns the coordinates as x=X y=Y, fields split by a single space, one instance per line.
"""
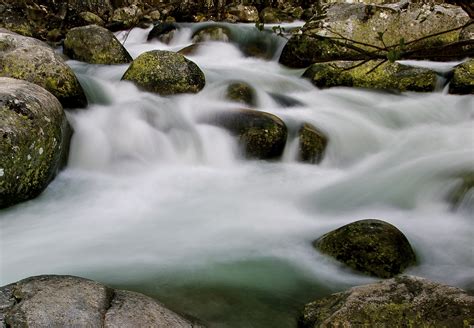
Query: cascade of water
x=159 y=201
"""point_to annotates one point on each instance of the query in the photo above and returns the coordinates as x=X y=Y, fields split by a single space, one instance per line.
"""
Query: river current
x=155 y=200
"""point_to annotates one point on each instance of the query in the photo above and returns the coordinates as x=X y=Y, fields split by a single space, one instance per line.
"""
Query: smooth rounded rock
x=373 y=247
x=462 y=81
x=212 y=33
x=312 y=144
x=68 y=301
x=261 y=135
x=165 y=73
x=34 y=136
x=34 y=61
x=95 y=45
x=162 y=31
x=405 y=301
x=241 y=92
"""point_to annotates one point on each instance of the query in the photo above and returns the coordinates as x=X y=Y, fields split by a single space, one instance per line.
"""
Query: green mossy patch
x=462 y=81
x=373 y=247
x=242 y=92
x=165 y=73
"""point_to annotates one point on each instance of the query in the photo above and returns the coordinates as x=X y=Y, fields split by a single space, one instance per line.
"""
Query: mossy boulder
x=242 y=92
x=462 y=81
x=35 y=139
x=261 y=135
x=125 y=17
x=165 y=73
x=312 y=144
x=244 y=14
x=325 y=37
x=34 y=61
x=373 y=247
x=91 y=18
x=68 y=301
x=95 y=45
x=271 y=15
x=162 y=31
x=405 y=301
x=373 y=74
x=212 y=33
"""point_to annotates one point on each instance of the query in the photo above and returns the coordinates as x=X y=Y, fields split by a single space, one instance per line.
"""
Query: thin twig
x=376 y=66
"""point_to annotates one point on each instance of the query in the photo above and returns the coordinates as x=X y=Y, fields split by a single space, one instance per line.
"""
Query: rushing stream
x=156 y=201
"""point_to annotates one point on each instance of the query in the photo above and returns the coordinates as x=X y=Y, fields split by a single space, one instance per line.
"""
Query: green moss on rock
x=261 y=135
x=96 y=45
x=462 y=81
x=373 y=247
x=165 y=73
x=35 y=137
x=372 y=75
x=312 y=144
x=34 y=61
x=242 y=92
x=404 y=301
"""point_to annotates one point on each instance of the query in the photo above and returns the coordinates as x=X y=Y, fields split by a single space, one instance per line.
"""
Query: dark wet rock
x=35 y=138
x=271 y=15
x=163 y=32
x=284 y=100
x=190 y=50
x=242 y=92
x=312 y=144
x=405 y=301
x=165 y=73
x=324 y=38
x=462 y=81
x=34 y=61
x=67 y=301
x=372 y=75
x=261 y=135
x=212 y=33
x=373 y=247
x=95 y=45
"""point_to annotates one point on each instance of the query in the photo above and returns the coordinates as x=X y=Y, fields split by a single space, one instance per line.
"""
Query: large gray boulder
x=165 y=73
x=373 y=74
x=404 y=301
x=375 y=27
x=261 y=135
x=34 y=140
x=67 y=301
x=373 y=247
x=95 y=45
x=32 y=60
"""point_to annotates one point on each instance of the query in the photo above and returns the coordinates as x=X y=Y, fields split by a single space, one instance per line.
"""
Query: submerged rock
x=165 y=73
x=34 y=61
x=242 y=92
x=404 y=301
x=212 y=33
x=374 y=247
x=35 y=138
x=372 y=75
x=67 y=301
x=95 y=45
x=261 y=135
x=372 y=27
x=312 y=144
x=459 y=195
x=462 y=81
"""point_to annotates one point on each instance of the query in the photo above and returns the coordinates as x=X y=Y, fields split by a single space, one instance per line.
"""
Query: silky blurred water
x=156 y=201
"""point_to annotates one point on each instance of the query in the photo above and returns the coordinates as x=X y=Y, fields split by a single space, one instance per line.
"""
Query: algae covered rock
x=312 y=144
x=68 y=301
x=34 y=61
x=330 y=36
x=212 y=33
x=95 y=45
x=374 y=247
x=34 y=133
x=165 y=73
x=241 y=92
x=373 y=74
x=405 y=301
x=261 y=135
x=462 y=81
